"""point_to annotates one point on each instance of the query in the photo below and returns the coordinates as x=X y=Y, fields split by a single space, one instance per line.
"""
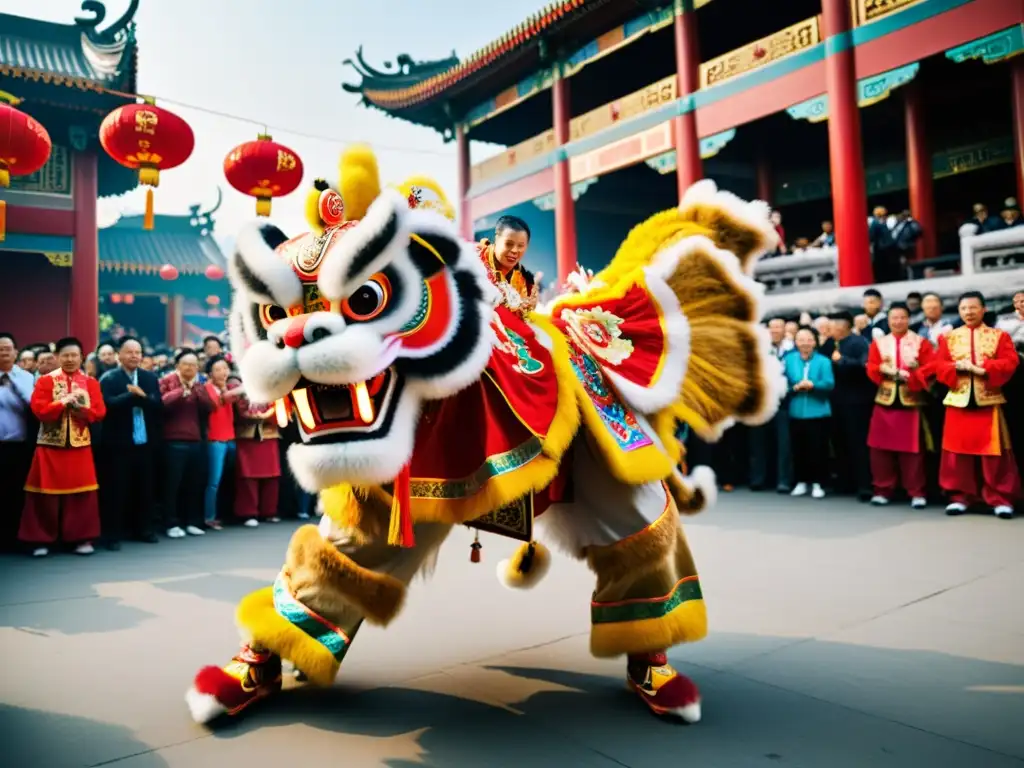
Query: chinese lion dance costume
x=428 y=395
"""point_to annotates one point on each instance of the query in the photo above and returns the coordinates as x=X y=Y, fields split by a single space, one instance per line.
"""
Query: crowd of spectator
x=119 y=444
x=837 y=367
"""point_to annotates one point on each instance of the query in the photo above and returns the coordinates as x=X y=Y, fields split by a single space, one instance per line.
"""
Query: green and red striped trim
x=685 y=590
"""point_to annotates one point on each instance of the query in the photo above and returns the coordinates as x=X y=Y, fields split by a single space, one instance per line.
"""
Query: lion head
x=351 y=329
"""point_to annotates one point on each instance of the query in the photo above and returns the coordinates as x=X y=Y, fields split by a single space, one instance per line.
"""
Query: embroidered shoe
x=664 y=690
x=247 y=678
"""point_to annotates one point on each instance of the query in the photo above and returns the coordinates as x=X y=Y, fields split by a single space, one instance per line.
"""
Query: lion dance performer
x=425 y=401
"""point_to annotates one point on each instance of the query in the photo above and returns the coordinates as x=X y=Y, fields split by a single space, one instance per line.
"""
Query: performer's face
x=899 y=321
x=972 y=312
x=510 y=247
x=70 y=359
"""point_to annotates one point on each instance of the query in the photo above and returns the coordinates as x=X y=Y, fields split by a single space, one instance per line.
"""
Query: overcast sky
x=280 y=63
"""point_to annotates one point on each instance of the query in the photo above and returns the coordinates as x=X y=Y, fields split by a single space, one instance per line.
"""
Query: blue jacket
x=812 y=404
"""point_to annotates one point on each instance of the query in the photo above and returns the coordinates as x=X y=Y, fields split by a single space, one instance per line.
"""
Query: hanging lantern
x=213 y=272
x=168 y=272
x=129 y=298
x=147 y=138
x=263 y=169
x=24 y=148
x=115 y=298
x=213 y=301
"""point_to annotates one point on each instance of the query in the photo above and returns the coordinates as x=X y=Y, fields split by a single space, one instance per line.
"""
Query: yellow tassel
x=3 y=220
x=147 y=222
x=262 y=206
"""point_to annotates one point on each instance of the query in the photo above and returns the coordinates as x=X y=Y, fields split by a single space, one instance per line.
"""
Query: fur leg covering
x=648 y=595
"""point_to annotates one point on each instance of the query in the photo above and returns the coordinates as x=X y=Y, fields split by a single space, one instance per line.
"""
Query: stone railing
x=991 y=252
x=810 y=270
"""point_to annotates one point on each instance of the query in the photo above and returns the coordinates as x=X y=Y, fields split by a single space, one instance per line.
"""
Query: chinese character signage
x=53 y=178
x=869 y=10
x=760 y=52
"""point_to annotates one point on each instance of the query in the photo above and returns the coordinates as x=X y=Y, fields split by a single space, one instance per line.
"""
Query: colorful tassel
x=147 y=222
x=400 y=532
x=474 y=548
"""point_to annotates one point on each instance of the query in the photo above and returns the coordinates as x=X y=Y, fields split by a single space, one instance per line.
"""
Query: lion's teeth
x=281 y=412
x=301 y=399
x=364 y=404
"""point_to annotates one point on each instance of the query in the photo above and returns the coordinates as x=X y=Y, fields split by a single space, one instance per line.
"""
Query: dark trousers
x=184 y=484
x=850 y=422
x=771 y=458
x=127 y=491
x=809 y=439
x=15 y=459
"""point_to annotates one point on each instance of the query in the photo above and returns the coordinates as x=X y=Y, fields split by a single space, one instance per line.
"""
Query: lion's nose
x=295 y=336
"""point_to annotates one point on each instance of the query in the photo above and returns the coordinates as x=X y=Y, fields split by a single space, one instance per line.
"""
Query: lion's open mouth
x=333 y=412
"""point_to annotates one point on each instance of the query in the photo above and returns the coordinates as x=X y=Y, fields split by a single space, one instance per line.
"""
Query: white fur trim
x=269 y=373
x=203 y=707
x=753 y=214
x=260 y=259
x=714 y=434
x=236 y=323
x=703 y=479
x=772 y=377
x=333 y=279
x=690 y=713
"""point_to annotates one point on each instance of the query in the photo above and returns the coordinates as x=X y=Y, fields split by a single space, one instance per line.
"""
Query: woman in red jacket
x=259 y=463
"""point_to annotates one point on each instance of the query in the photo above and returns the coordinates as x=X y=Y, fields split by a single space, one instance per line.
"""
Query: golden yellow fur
x=526 y=567
x=645 y=241
x=319 y=575
x=261 y=624
x=358 y=180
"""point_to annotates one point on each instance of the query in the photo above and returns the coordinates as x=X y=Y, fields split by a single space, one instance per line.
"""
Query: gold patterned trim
x=494 y=466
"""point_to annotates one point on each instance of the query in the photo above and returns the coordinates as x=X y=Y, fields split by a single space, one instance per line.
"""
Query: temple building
x=824 y=108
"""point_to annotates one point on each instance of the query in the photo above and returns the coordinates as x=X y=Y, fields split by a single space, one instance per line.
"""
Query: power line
x=281 y=129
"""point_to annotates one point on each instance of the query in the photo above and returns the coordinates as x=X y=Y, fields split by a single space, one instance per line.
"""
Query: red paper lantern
x=129 y=298
x=213 y=272
x=115 y=298
x=168 y=272
x=24 y=148
x=263 y=169
x=147 y=138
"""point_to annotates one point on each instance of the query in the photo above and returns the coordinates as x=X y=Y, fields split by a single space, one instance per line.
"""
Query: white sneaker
x=191 y=530
x=800 y=489
x=252 y=522
x=817 y=492
x=84 y=549
x=274 y=519
x=303 y=516
x=879 y=501
x=918 y=502
x=40 y=552
x=956 y=508
x=1004 y=512
x=175 y=533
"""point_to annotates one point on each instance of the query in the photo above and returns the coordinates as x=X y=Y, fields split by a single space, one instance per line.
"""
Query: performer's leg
x=333 y=579
x=80 y=521
x=913 y=474
x=648 y=596
x=1001 y=487
x=958 y=477
x=884 y=472
x=39 y=519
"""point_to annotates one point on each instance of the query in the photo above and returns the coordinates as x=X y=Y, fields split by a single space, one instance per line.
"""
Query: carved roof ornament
x=118 y=32
x=403 y=72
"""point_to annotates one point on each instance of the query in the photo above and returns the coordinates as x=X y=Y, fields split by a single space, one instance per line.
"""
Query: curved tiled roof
x=174 y=240
x=418 y=82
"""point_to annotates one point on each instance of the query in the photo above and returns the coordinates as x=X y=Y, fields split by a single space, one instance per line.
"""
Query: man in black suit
x=130 y=432
x=852 y=403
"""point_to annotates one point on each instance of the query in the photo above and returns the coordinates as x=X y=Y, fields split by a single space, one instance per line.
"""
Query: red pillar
x=85 y=276
x=565 y=212
x=846 y=158
x=763 y=179
x=689 y=168
x=462 y=151
x=1017 y=75
x=919 y=169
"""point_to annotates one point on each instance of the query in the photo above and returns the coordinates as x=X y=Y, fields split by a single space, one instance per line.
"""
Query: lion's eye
x=271 y=313
x=369 y=299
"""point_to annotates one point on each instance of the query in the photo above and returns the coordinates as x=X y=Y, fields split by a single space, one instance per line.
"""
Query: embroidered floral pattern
x=600 y=332
x=619 y=420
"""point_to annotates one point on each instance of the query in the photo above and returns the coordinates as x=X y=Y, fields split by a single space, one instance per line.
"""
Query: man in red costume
x=60 y=492
x=897 y=363
x=975 y=361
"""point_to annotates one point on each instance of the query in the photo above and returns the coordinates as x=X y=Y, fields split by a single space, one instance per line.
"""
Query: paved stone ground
x=842 y=636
